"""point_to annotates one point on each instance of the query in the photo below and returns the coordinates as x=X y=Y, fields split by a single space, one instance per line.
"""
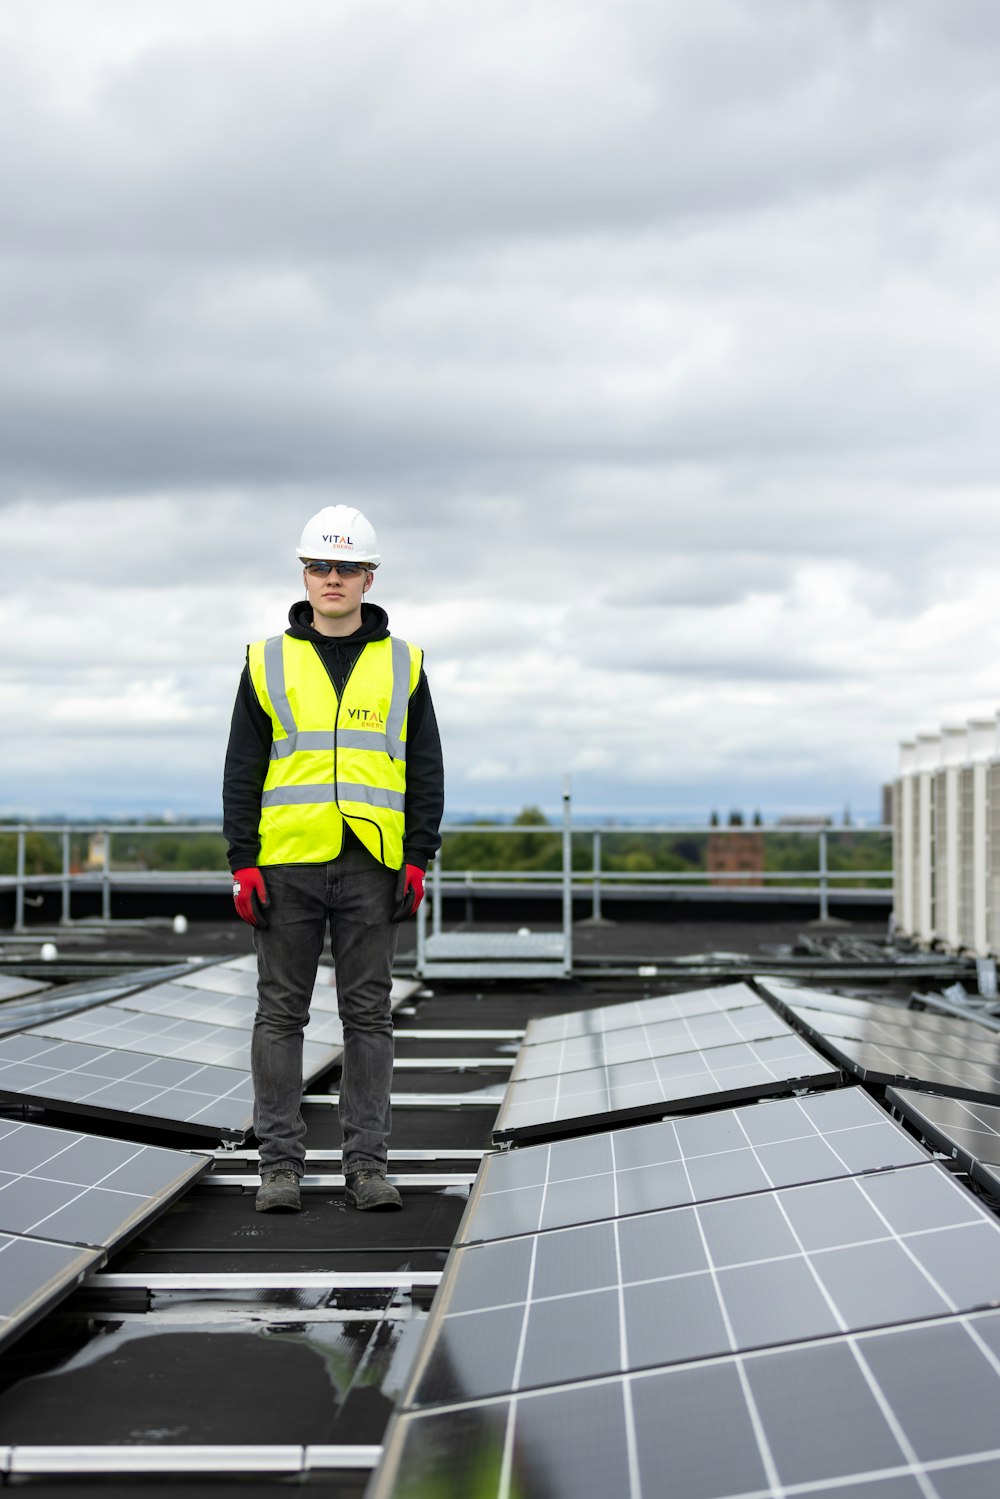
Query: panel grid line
x=891 y=1420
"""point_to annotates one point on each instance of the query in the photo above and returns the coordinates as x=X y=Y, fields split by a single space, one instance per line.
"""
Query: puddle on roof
x=273 y=1381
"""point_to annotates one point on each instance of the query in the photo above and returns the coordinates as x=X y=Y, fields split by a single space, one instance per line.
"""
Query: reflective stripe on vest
x=322 y=771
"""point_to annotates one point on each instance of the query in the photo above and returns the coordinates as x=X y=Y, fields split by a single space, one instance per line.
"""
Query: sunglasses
x=343 y=569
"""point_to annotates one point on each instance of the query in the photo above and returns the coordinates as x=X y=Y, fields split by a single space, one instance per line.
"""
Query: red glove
x=250 y=896
x=409 y=891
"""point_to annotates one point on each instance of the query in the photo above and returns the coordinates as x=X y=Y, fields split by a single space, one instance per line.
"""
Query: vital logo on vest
x=366 y=718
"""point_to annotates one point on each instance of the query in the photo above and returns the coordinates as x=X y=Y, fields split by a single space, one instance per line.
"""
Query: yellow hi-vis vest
x=333 y=758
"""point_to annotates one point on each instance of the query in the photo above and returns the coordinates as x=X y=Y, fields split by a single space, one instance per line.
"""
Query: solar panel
x=860 y=1416
x=222 y=981
x=963 y=1045
x=560 y=1104
x=969 y=1132
x=247 y=963
x=85 y=1189
x=679 y=1161
x=34 y=1275
x=638 y=1012
x=65 y=1200
x=703 y=1281
x=192 y=1004
x=901 y=1066
x=755 y=1022
x=167 y=1036
x=225 y=1009
x=12 y=986
x=952 y=1035
x=203 y=1099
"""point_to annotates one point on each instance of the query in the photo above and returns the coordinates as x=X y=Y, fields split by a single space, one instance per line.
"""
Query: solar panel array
x=856 y=1415
x=176 y=1054
x=885 y=1044
x=727 y=1302
x=66 y=1199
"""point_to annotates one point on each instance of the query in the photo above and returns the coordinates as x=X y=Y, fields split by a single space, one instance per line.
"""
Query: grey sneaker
x=368 y=1188
x=278 y=1192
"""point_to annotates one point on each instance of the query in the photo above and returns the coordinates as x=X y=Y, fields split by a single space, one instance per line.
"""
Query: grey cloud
x=616 y=318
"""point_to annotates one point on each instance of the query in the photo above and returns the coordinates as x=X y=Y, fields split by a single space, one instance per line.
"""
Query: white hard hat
x=339 y=533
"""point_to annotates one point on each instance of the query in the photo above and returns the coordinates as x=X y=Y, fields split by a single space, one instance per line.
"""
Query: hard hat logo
x=339 y=532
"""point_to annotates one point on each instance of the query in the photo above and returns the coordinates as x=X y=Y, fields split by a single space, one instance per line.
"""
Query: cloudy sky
x=660 y=341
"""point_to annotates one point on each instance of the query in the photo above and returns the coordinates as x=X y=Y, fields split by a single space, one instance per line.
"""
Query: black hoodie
x=249 y=750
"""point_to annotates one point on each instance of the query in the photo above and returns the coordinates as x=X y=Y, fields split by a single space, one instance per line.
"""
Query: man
x=332 y=799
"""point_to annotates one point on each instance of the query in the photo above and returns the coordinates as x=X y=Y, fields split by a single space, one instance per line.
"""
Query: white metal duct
x=947 y=863
x=928 y=765
x=966 y=914
x=903 y=812
x=982 y=749
x=993 y=847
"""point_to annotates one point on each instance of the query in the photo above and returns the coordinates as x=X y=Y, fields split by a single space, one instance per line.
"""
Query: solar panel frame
x=675 y=1162
x=538 y=1108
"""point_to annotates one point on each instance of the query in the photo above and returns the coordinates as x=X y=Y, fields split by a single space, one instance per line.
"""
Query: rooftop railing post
x=422 y=931
x=19 y=885
x=64 y=919
x=595 y=913
x=106 y=878
x=436 y=917
x=824 y=891
x=567 y=878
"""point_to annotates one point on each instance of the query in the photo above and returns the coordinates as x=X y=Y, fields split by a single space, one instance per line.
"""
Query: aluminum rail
x=328 y=1179
x=425 y=1100
x=267 y=1280
x=241 y=1153
x=74 y=1460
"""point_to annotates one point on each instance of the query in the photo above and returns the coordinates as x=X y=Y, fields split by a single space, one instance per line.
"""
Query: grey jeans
x=357 y=895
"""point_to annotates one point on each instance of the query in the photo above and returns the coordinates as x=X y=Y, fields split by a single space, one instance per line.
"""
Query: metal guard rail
x=583 y=880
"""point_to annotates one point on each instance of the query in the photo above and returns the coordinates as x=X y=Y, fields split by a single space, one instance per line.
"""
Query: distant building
x=739 y=853
x=805 y=820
